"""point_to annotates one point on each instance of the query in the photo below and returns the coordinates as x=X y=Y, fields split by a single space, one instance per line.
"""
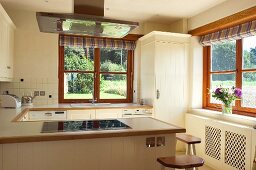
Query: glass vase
x=226 y=109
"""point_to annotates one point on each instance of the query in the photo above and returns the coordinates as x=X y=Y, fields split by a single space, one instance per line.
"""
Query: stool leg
x=191 y=168
x=189 y=150
x=194 y=153
x=194 y=149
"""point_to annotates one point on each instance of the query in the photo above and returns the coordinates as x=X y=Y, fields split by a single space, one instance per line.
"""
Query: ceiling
x=160 y=11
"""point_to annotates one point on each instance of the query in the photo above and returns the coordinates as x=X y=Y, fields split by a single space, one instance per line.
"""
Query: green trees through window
x=230 y=66
x=89 y=74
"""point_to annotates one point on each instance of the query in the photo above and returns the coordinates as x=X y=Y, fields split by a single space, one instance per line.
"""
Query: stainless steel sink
x=81 y=105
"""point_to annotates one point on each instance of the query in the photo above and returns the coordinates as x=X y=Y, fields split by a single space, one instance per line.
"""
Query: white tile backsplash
x=29 y=85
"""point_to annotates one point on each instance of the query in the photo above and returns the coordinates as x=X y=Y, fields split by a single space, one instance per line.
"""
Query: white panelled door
x=170 y=76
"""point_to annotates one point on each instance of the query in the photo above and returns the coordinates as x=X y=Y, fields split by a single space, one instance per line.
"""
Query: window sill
x=232 y=118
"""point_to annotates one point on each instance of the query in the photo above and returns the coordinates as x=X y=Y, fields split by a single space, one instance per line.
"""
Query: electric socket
x=42 y=93
x=36 y=93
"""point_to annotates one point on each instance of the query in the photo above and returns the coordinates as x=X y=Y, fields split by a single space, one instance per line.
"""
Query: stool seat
x=189 y=139
x=181 y=161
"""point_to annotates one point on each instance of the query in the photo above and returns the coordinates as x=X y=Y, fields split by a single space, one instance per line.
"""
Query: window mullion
x=97 y=74
x=239 y=67
x=129 y=76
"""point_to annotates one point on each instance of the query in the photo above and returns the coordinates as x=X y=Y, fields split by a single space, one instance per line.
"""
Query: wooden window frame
x=237 y=109
x=97 y=72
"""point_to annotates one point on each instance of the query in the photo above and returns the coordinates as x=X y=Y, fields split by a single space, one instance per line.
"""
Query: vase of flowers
x=227 y=96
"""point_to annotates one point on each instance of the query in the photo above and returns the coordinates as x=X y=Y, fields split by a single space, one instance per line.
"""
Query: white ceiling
x=40 y=5
x=160 y=11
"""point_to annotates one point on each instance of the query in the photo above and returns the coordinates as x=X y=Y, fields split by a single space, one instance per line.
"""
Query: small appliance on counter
x=27 y=100
x=10 y=101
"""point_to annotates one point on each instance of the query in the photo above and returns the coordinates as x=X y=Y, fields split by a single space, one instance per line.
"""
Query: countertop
x=89 y=106
x=16 y=132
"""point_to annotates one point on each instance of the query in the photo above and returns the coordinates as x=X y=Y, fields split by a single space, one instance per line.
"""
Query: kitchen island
x=24 y=147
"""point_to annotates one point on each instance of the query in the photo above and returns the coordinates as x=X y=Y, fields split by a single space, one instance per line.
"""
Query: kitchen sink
x=89 y=104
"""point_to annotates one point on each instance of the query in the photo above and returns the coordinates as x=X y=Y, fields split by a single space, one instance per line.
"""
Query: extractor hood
x=80 y=23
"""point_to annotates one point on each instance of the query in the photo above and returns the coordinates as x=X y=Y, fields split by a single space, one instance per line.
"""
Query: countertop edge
x=64 y=136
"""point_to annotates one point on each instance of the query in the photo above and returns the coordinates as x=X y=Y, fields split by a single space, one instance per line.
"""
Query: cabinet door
x=10 y=55
x=108 y=113
x=147 y=82
x=6 y=50
x=1 y=156
x=80 y=114
x=171 y=76
x=2 y=53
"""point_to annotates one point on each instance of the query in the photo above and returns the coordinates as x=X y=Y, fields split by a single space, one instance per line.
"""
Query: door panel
x=171 y=82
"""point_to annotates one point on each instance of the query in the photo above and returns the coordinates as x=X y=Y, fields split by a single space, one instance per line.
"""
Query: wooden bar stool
x=189 y=162
x=190 y=140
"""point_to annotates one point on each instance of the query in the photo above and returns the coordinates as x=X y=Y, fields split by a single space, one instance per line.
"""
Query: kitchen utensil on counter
x=10 y=101
x=27 y=100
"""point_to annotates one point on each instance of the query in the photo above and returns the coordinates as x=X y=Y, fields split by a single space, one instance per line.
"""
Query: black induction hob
x=90 y=125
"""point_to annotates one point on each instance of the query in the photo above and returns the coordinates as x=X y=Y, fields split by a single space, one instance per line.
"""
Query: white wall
x=179 y=26
x=137 y=66
x=222 y=10
x=196 y=73
x=35 y=59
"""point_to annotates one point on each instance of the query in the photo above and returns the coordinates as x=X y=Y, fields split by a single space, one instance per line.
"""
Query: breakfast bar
x=123 y=143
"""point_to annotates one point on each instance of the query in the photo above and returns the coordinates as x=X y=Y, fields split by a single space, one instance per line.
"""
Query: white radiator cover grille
x=235 y=147
x=224 y=146
x=213 y=142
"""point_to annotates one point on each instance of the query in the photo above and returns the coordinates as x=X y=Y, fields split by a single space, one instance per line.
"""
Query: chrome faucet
x=93 y=100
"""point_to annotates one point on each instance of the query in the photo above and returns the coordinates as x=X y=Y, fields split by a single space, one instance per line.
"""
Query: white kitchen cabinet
x=108 y=113
x=81 y=114
x=1 y=156
x=115 y=153
x=6 y=46
x=164 y=74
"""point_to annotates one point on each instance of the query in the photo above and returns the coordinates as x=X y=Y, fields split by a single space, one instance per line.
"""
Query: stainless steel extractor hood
x=80 y=23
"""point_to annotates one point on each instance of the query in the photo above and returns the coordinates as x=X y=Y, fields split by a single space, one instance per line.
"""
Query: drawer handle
x=8 y=67
x=48 y=114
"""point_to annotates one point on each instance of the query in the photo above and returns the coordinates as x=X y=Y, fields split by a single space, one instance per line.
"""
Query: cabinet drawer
x=47 y=115
x=108 y=113
x=81 y=114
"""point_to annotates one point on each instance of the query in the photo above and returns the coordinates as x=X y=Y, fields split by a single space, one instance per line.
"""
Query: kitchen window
x=231 y=63
x=102 y=74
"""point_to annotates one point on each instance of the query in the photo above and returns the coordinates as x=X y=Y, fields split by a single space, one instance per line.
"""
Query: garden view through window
x=93 y=73
x=233 y=63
